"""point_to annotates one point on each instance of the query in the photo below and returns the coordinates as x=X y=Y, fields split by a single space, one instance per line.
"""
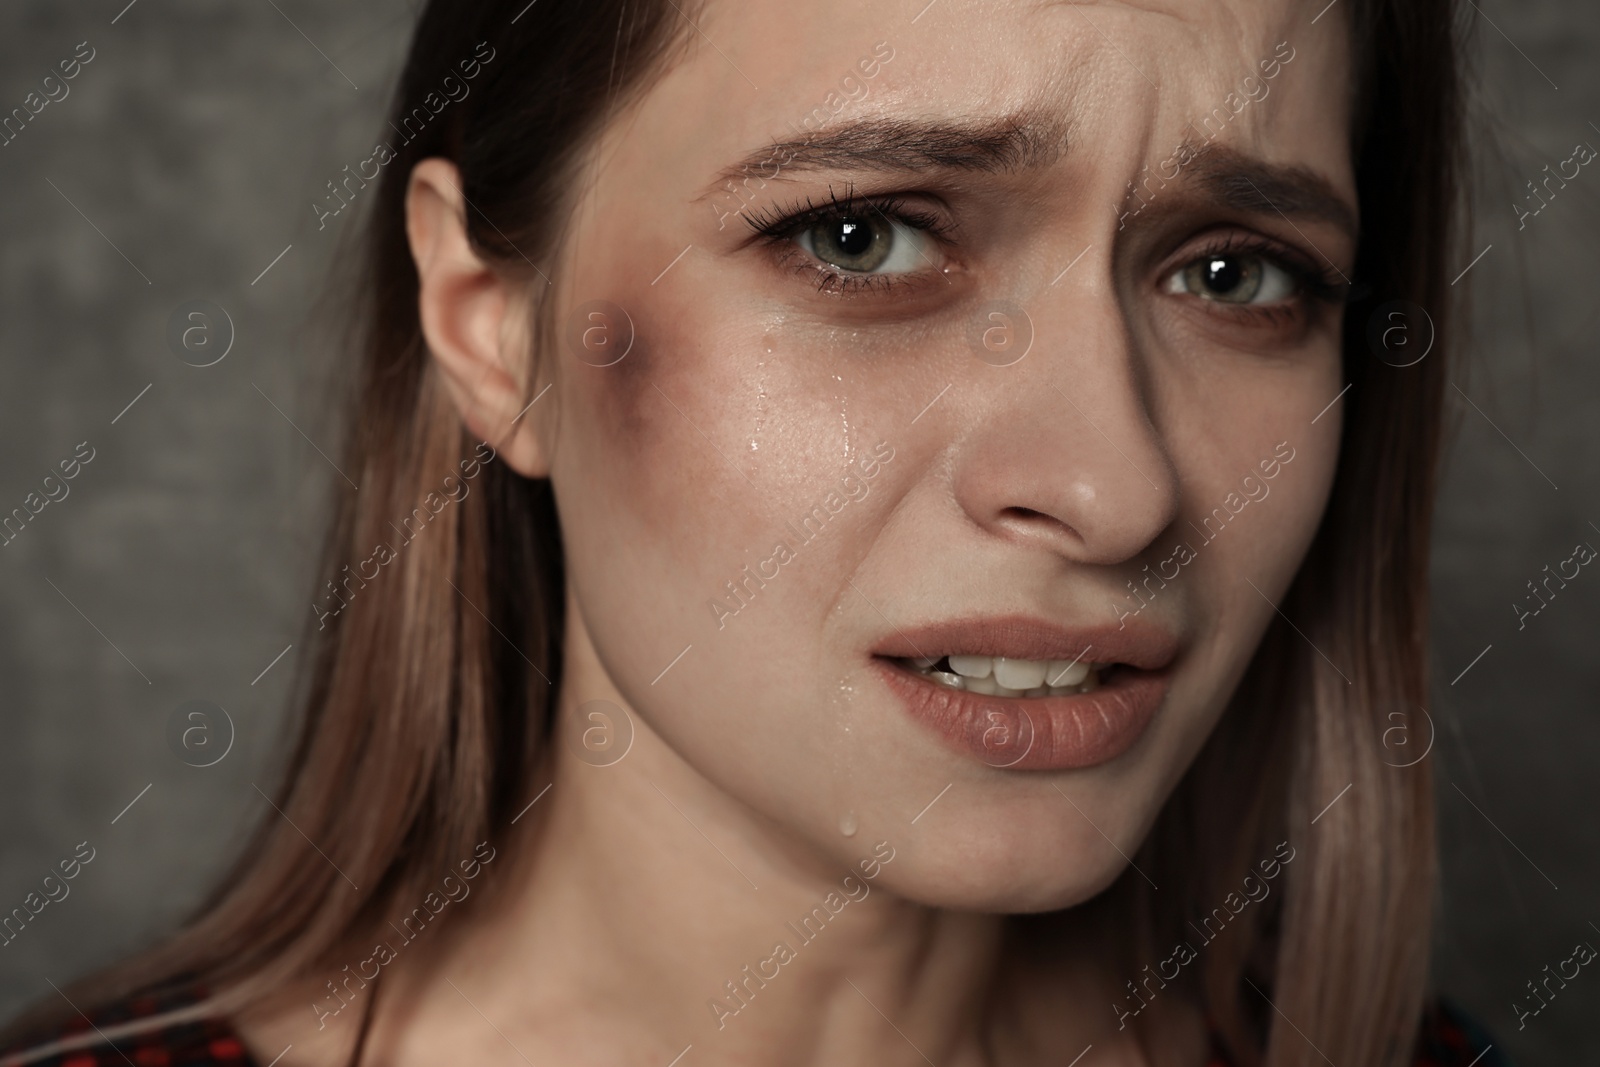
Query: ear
x=474 y=319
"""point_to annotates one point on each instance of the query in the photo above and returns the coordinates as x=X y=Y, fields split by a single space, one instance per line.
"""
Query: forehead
x=1126 y=82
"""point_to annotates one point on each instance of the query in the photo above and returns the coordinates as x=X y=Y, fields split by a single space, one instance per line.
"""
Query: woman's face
x=1042 y=304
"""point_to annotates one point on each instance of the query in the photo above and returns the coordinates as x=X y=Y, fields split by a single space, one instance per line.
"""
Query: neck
x=637 y=911
x=642 y=904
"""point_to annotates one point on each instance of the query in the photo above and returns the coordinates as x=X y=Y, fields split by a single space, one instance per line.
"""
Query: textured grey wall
x=1519 y=733
x=182 y=163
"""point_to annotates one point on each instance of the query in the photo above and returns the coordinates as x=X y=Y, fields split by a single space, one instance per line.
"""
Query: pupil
x=1223 y=273
x=853 y=237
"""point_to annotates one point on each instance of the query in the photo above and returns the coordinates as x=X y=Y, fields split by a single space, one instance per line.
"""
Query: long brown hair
x=427 y=700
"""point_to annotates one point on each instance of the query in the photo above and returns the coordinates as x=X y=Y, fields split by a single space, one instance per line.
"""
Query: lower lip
x=1035 y=733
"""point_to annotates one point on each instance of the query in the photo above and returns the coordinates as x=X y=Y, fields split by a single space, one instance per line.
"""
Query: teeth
x=972 y=666
x=1067 y=672
x=1019 y=673
x=985 y=686
x=998 y=676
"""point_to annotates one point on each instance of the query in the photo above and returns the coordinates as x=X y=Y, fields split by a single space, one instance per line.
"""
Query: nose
x=1064 y=454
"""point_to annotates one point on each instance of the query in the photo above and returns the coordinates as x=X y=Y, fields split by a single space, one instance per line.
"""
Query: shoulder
x=104 y=1038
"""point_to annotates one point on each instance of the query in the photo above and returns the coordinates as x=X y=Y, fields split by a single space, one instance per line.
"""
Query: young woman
x=885 y=535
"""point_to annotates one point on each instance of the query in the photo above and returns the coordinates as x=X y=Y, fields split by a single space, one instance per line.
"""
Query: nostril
x=1037 y=521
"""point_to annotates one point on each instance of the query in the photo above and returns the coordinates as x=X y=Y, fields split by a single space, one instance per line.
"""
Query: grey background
x=176 y=568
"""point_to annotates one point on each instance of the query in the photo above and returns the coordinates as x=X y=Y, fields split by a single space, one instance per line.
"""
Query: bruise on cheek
x=615 y=395
x=624 y=396
x=640 y=416
x=632 y=440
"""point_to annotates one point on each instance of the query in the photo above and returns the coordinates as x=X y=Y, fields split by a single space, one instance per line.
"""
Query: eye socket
x=866 y=243
x=1235 y=278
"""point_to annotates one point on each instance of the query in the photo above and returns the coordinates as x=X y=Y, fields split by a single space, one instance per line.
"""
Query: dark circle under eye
x=853 y=242
x=1227 y=277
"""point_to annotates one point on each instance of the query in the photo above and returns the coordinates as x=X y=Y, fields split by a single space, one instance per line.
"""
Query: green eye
x=866 y=244
x=852 y=242
x=1234 y=278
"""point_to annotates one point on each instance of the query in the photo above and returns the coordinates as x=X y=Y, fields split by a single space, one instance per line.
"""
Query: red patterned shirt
x=207 y=1042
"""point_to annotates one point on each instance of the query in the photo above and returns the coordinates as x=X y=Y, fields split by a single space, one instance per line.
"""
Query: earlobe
x=473 y=319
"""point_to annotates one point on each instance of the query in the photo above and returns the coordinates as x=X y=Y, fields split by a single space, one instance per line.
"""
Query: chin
x=1026 y=871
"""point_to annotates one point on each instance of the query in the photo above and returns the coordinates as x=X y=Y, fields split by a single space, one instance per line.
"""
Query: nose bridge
x=1070 y=454
x=1088 y=359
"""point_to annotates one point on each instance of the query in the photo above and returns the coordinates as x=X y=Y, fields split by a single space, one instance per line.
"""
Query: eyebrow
x=1246 y=183
x=1030 y=140
x=1020 y=141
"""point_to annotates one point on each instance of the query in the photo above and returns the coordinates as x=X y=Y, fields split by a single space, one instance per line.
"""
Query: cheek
x=674 y=472
x=628 y=425
x=685 y=461
x=1219 y=430
x=658 y=433
x=1264 y=545
x=646 y=476
x=724 y=421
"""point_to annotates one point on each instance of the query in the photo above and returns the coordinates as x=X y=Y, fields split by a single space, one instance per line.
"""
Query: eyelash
x=778 y=227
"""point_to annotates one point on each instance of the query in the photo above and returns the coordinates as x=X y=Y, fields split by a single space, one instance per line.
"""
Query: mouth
x=998 y=676
x=1026 y=695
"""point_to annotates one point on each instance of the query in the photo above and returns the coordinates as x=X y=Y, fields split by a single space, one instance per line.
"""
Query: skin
x=632 y=892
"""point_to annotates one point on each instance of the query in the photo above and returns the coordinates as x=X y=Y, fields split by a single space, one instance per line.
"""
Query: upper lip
x=1140 y=645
